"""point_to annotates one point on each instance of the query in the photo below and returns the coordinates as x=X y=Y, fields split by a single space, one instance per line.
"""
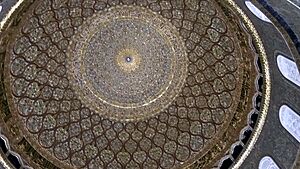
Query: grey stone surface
x=6 y=6
x=290 y=11
x=274 y=140
x=297 y=2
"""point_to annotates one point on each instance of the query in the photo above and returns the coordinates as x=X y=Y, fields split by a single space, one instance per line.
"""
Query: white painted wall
x=290 y=120
x=267 y=163
x=288 y=69
x=257 y=12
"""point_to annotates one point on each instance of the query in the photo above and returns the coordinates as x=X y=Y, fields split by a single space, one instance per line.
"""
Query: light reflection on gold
x=267 y=82
x=128 y=60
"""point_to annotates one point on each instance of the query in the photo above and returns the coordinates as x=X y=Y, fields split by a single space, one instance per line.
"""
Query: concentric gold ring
x=100 y=72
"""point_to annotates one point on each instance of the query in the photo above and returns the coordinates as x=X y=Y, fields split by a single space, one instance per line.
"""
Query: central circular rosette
x=128 y=60
x=127 y=63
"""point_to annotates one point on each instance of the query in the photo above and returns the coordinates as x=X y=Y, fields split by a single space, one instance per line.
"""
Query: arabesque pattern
x=75 y=134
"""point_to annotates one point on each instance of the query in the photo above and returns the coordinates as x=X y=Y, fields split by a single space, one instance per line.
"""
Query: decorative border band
x=267 y=83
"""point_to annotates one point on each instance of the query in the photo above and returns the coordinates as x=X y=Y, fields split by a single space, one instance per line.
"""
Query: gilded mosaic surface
x=127 y=63
x=126 y=84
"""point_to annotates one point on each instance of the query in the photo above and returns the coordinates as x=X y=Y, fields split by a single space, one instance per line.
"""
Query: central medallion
x=127 y=63
x=128 y=60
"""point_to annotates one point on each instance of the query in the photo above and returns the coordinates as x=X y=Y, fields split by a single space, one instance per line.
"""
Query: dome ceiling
x=131 y=84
